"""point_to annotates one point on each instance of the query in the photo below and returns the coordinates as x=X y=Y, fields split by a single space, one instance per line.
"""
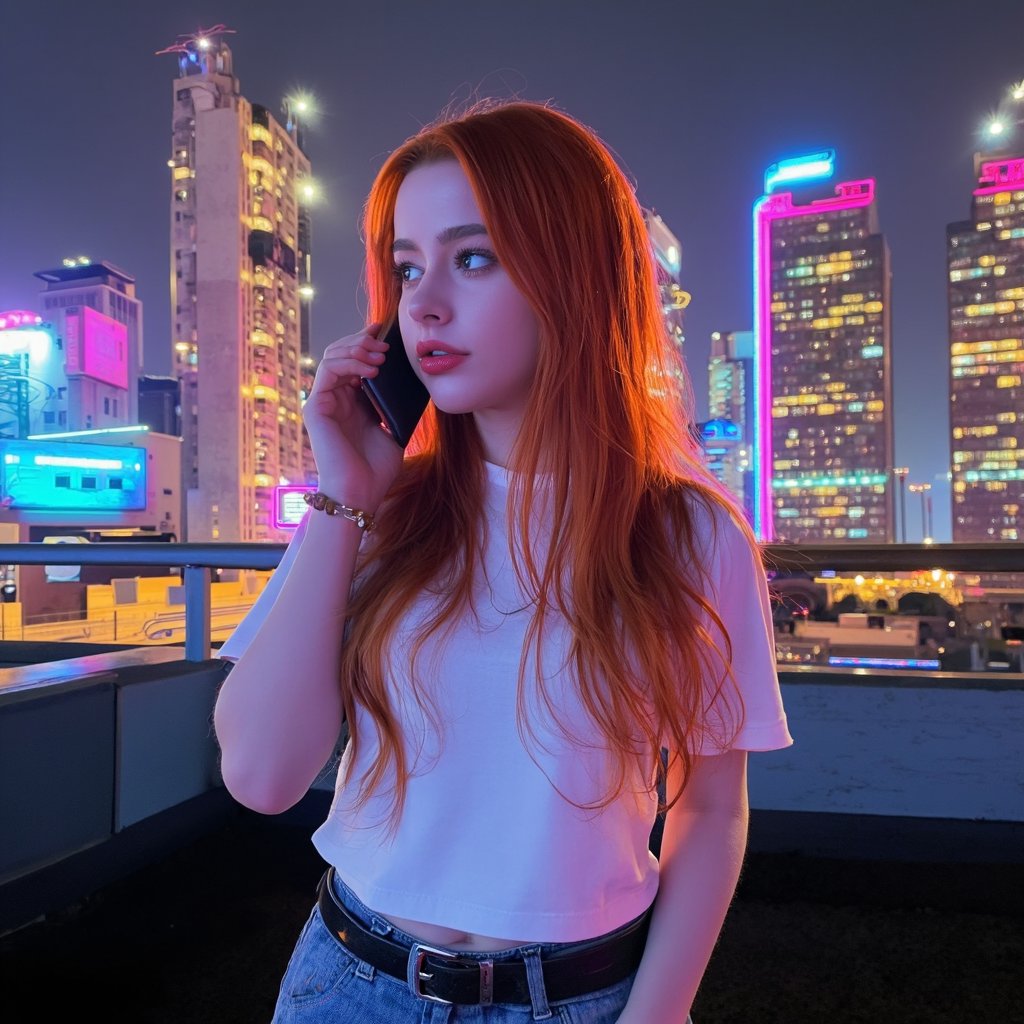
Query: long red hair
x=609 y=423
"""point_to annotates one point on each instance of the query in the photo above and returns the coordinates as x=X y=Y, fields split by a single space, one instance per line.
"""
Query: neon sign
x=289 y=508
x=13 y=318
x=65 y=476
x=815 y=167
x=1000 y=175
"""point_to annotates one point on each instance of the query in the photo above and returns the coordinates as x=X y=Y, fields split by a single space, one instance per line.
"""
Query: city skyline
x=694 y=106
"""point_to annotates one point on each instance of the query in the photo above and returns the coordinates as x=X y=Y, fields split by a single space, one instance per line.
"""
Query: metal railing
x=198 y=561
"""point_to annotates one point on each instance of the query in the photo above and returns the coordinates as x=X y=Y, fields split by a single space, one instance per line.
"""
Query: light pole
x=901 y=475
x=926 y=508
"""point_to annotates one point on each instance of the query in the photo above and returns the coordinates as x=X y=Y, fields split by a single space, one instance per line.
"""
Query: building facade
x=240 y=266
x=729 y=434
x=823 y=397
x=985 y=258
x=90 y=380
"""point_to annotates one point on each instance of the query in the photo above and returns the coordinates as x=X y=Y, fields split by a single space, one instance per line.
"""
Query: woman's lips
x=433 y=365
x=435 y=357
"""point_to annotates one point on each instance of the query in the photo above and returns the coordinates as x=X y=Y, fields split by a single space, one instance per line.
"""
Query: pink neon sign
x=999 y=175
x=848 y=195
x=19 y=318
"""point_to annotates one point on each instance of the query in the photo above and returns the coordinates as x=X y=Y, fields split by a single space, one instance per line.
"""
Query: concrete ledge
x=878 y=837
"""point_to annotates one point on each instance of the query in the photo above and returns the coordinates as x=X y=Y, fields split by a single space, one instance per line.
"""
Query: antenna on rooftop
x=198 y=41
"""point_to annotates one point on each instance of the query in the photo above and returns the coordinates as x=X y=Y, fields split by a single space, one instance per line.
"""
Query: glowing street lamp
x=301 y=108
x=309 y=191
x=1001 y=124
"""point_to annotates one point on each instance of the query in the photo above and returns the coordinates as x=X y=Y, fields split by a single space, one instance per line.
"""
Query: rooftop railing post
x=197 y=612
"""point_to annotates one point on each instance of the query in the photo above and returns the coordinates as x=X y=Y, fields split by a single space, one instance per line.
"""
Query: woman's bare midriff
x=449 y=938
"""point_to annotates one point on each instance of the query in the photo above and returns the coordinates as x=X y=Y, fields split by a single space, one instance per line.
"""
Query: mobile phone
x=396 y=395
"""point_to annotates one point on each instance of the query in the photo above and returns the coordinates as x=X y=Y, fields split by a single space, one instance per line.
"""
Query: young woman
x=556 y=614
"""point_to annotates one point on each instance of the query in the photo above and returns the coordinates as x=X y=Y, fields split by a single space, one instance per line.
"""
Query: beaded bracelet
x=320 y=502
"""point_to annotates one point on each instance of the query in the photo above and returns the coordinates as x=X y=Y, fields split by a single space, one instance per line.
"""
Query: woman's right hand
x=356 y=459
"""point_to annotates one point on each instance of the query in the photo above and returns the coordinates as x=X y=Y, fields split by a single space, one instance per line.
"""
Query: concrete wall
x=105 y=761
x=909 y=744
x=105 y=758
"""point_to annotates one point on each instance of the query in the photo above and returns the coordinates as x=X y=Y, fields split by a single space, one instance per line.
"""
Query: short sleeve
x=239 y=640
x=739 y=594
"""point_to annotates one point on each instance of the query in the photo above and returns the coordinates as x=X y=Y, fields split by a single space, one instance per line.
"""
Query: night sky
x=696 y=99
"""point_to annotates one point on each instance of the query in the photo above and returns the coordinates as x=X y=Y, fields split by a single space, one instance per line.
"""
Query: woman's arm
x=702 y=851
x=278 y=715
x=279 y=712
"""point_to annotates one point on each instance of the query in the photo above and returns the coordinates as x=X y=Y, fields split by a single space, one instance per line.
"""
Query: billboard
x=96 y=346
x=65 y=475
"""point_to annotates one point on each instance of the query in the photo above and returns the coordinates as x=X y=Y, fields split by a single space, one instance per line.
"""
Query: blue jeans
x=325 y=984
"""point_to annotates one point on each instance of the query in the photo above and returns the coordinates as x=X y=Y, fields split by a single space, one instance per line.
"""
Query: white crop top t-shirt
x=486 y=842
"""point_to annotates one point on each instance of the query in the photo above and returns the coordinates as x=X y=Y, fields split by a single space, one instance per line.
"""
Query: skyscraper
x=823 y=368
x=731 y=413
x=668 y=258
x=668 y=261
x=240 y=268
x=986 y=333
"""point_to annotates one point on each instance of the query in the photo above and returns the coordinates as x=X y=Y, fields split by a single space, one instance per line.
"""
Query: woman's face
x=469 y=332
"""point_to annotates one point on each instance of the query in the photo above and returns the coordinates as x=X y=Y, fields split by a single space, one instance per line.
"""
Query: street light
x=926 y=510
x=901 y=475
x=999 y=129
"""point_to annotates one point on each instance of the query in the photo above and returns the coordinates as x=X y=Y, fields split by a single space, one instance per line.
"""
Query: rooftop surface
x=204 y=936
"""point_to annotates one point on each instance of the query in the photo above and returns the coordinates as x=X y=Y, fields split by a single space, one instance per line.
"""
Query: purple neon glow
x=848 y=195
x=1003 y=174
x=288 y=507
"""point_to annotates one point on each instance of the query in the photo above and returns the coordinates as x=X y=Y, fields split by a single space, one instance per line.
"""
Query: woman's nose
x=429 y=302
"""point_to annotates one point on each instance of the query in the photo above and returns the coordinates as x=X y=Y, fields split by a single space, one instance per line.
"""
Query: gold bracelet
x=320 y=501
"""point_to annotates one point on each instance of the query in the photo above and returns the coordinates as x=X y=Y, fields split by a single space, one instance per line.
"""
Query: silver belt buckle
x=420 y=976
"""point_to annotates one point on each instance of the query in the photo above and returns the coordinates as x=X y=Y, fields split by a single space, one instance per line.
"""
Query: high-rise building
x=240 y=269
x=986 y=333
x=729 y=433
x=823 y=367
x=668 y=258
x=97 y=321
x=674 y=298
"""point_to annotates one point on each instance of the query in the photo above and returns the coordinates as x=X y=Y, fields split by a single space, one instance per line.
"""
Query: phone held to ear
x=396 y=394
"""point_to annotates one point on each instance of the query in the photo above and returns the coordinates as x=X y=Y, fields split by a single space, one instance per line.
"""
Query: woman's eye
x=474 y=259
x=407 y=272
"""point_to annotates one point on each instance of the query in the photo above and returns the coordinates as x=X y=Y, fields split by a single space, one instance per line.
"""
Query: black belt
x=446 y=977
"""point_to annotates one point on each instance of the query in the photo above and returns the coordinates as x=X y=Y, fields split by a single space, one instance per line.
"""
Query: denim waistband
x=382 y=926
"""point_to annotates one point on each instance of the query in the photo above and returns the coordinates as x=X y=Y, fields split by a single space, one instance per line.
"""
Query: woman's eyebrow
x=446 y=236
